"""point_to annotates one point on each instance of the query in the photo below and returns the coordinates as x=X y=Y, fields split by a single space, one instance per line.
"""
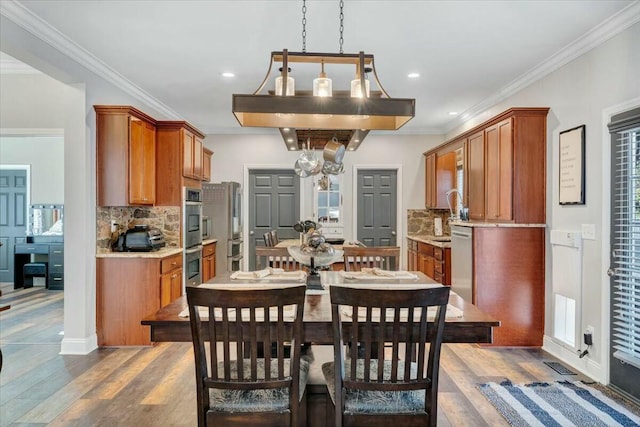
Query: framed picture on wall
x=571 y=179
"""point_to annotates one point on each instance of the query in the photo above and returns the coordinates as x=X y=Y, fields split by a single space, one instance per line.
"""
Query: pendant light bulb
x=322 y=84
x=356 y=91
x=291 y=84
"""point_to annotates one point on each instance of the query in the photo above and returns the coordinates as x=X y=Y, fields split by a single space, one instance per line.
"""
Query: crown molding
x=33 y=132
x=23 y=17
x=596 y=36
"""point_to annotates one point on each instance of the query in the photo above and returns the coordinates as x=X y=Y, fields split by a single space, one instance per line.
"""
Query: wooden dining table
x=472 y=326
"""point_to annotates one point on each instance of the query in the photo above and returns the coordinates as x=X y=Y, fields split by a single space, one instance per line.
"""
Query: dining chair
x=235 y=386
x=274 y=237
x=268 y=240
x=400 y=388
x=383 y=257
x=275 y=257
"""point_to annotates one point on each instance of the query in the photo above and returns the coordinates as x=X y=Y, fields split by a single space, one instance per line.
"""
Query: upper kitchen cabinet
x=125 y=156
x=206 y=164
x=440 y=177
x=505 y=170
x=179 y=157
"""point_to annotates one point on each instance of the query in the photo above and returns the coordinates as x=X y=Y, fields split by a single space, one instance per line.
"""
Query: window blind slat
x=626 y=242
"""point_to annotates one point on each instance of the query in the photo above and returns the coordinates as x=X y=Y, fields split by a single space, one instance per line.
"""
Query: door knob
x=611 y=272
x=393 y=233
x=251 y=233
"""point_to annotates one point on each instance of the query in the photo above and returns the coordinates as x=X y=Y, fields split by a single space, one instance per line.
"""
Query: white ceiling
x=469 y=53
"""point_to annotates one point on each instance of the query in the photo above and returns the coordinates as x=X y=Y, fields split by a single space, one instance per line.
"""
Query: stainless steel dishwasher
x=462 y=262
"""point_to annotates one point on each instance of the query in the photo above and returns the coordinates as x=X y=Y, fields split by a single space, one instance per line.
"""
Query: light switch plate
x=589 y=231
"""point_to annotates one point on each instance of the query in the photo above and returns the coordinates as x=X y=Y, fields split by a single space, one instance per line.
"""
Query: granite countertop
x=161 y=253
x=495 y=224
x=432 y=240
x=209 y=241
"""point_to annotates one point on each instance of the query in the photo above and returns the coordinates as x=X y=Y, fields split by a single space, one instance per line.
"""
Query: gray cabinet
x=55 y=276
x=51 y=254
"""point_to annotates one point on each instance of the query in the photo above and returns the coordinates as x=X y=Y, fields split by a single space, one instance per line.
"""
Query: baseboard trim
x=79 y=345
x=585 y=365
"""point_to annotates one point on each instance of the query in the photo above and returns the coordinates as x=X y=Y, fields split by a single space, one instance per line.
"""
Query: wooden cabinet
x=206 y=165
x=498 y=171
x=170 y=279
x=192 y=156
x=440 y=178
x=125 y=156
x=208 y=262
x=179 y=157
x=433 y=261
x=474 y=176
x=127 y=290
x=412 y=255
x=430 y=181
x=505 y=169
x=508 y=282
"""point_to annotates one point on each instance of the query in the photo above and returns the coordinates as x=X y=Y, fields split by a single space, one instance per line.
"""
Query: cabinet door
x=475 y=176
x=208 y=268
x=197 y=158
x=499 y=149
x=445 y=181
x=206 y=165
x=142 y=162
x=188 y=140
x=170 y=286
x=430 y=181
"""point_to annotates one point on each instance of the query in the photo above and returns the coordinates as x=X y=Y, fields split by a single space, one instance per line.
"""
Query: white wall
x=46 y=157
x=577 y=94
x=233 y=152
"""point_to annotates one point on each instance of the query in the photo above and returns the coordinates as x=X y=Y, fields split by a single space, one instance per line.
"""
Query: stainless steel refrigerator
x=222 y=205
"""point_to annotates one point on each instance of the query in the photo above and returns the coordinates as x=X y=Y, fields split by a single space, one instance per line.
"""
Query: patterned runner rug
x=562 y=403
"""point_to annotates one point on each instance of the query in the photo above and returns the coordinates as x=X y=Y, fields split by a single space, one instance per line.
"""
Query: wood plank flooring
x=154 y=386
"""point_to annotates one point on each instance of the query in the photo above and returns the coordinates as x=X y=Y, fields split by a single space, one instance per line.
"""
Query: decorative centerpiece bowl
x=316 y=254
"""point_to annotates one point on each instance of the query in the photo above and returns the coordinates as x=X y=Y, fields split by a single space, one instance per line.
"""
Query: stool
x=31 y=270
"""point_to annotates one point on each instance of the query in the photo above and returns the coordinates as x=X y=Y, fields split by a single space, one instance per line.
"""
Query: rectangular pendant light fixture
x=341 y=111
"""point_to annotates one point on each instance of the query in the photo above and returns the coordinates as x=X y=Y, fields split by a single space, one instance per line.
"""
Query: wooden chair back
x=401 y=319
x=272 y=317
x=276 y=258
x=383 y=257
x=268 y=240
x=274 y=237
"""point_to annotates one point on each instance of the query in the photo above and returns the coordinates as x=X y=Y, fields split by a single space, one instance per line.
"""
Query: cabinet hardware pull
x=57 y=279
x=57 y=252
x=174 y=276
x=57 y=265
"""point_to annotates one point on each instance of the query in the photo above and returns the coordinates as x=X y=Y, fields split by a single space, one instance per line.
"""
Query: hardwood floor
x=155 y=385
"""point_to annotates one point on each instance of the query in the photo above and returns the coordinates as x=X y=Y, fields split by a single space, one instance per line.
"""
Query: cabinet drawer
x=56 y=280
x=170 y=263
x=209 y=250
x=425 y=249
x=438 y=253
x=32 y=248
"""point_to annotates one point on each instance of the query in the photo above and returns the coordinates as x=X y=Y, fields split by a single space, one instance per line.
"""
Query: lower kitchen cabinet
x=208 y=261
x=129 y=289
x=508 y=282
x=434 y=261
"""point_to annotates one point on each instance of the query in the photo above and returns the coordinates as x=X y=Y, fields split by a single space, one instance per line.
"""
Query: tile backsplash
x=165 y=218
x=420 y=221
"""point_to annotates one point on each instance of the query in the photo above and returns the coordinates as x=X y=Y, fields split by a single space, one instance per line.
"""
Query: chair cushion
x=376 y=402
x=265 y=400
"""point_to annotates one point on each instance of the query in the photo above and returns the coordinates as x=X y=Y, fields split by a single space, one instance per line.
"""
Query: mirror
x=46 y=220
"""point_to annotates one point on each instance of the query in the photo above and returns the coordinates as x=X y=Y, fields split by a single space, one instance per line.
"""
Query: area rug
x=562 y=403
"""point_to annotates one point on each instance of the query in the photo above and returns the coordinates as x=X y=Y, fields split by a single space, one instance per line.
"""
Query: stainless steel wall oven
x=193 y=266
x=192 y=217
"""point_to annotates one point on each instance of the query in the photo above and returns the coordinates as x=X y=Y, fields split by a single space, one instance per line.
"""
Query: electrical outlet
x=114 y=226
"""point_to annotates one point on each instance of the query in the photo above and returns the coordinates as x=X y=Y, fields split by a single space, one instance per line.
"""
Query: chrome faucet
x=454 y=216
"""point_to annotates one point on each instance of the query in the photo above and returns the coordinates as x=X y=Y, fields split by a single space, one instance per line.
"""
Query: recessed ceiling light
x=453 y=113
x=228 y=74
x=413 y=75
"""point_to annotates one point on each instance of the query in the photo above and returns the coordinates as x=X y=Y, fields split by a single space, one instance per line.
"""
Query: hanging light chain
x=341 y=24
x=304 y=26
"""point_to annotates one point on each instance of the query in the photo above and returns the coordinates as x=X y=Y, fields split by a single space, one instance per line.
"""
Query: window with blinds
x=626 y=241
